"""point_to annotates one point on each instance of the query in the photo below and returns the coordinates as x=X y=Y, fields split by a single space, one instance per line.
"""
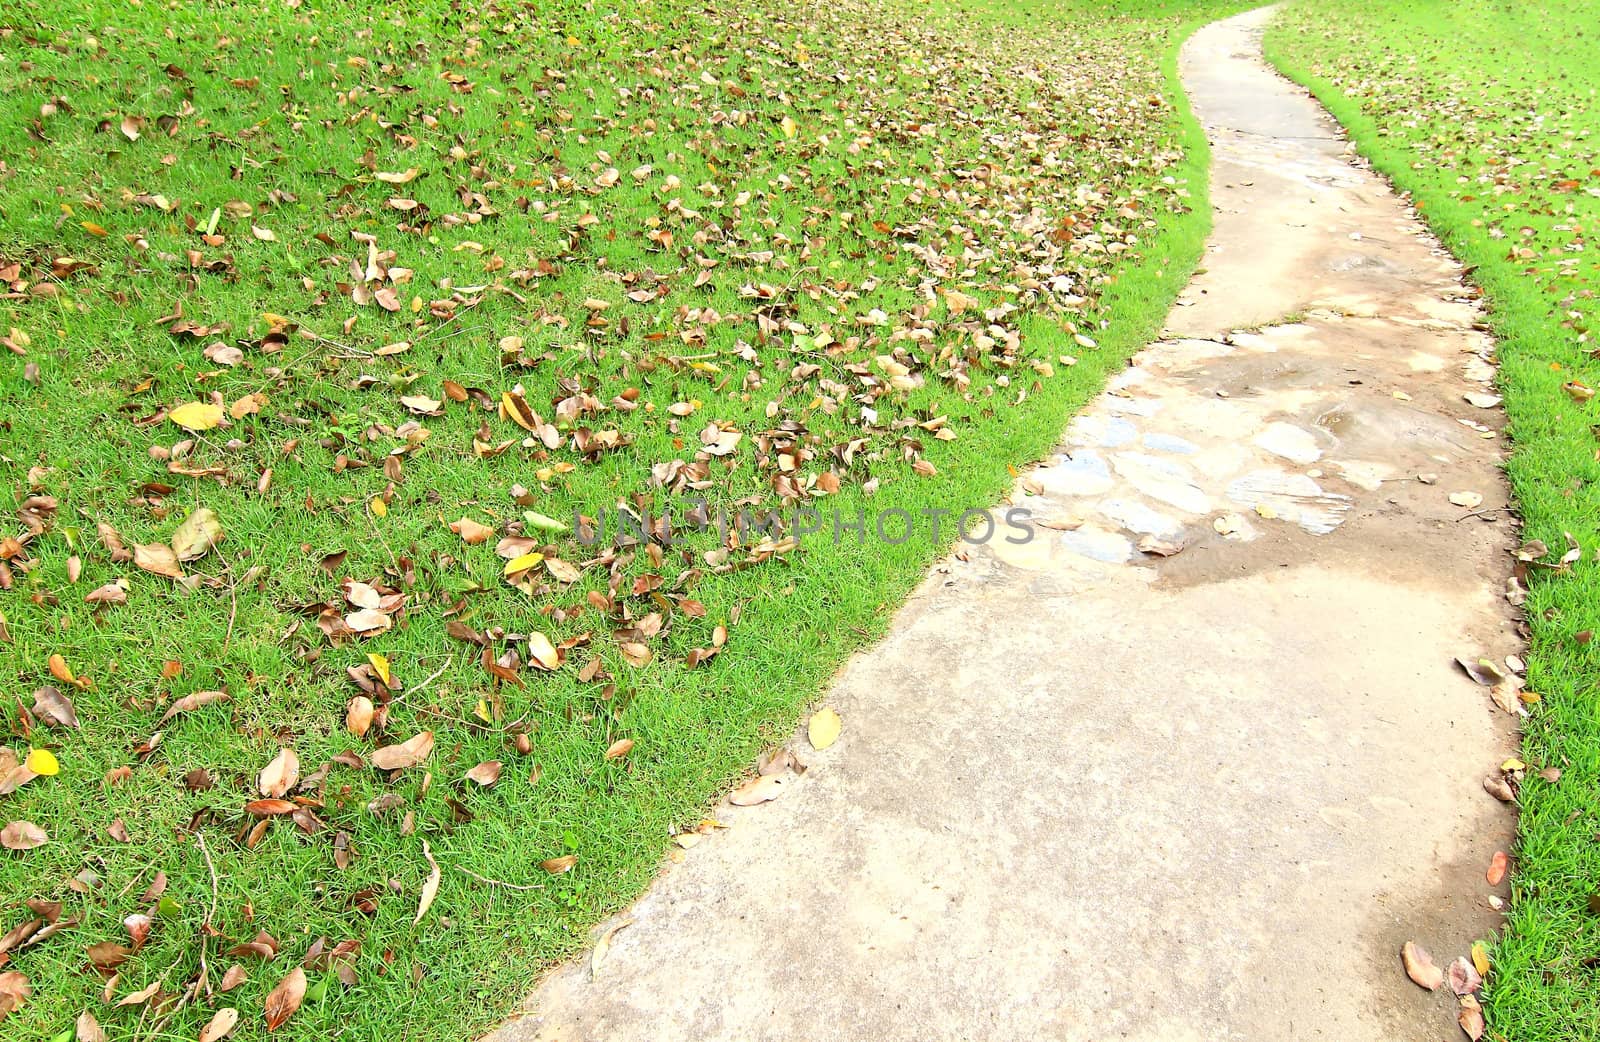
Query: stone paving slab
x=1087 y=792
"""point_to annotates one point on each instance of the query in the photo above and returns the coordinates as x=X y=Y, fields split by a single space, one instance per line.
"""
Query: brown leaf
x=54 y=708
x=115 y=592
x=486 y=773
x=1463 y=977
x=1482 y=671
x=1497 y=868
x=140 y=997
x=279 y=776
x=406 y=754
x=471 y=532
x=270 y=808
x=619 y=748
x=285 y=998
x=221 y=1025
x=157 y=559
x=1497 y=786
x=1471 y=1020
x=22 y=835
x=358 y=716
x=138 y=926
x=89 y=1029
x=14 y=991
x=108 y=955
x=760 y=789
x=189 y=703
x=430 y=888
x=557 y=865
x=1419 y=966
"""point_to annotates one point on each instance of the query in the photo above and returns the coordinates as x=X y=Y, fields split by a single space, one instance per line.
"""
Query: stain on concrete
x=1089 y=793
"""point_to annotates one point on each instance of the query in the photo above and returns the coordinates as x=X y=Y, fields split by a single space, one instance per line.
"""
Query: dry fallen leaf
x=823 y=728
x=88 y=1029
x=486 y=773
x=1419 y=966
x=1467 y=500
x=279 y=776
x=14 y=991
x=285 y=999
x=557 y=865
x=114 y=592
x=619 y=748
x=760 y=789
x=22 y=835
x=158 y=560
x=1496 y=786
x=1471 y=1018
x=221 y=1025
x=471 y=532
x=1463 y=977
x=189 y=703
x=200 y=531
x=142 y=996
x=1497 y=868
x=542 y=653
x=1482 y=671
x=407 y=754
x=430 y=888
x=54 y=708
x=358 y=717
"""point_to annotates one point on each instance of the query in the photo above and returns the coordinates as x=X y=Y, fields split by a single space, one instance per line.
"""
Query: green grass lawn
x=343 y=274
x=1488 y=113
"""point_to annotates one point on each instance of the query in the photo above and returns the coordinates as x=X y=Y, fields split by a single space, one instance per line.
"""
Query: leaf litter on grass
x=282 y=303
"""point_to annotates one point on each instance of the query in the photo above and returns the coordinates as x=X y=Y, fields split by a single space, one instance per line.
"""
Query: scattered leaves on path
x=1419 y=966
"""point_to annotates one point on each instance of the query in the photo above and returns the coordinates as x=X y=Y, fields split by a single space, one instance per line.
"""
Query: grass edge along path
x=1543 y=979
x=1136 y=306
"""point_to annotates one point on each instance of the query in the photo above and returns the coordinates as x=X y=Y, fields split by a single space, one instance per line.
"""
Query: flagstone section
x=1194 y=762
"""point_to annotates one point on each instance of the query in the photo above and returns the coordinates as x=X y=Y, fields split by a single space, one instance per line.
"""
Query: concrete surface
x=1089 y=793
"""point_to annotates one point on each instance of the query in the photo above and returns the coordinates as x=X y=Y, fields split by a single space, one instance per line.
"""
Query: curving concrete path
x=1086 y=792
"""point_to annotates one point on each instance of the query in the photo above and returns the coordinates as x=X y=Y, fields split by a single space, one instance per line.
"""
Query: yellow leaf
x=1480 y=959
x=196 y=416
x=380 y=666
x=790 y=127
x=379 y=507
x=542 y=651
x=523 y=563
x=824 y=728
x=43 y=762
x=1513 y=764
x=481 y=711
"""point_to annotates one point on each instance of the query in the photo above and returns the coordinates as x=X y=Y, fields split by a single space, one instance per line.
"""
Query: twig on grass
x=501 y=882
